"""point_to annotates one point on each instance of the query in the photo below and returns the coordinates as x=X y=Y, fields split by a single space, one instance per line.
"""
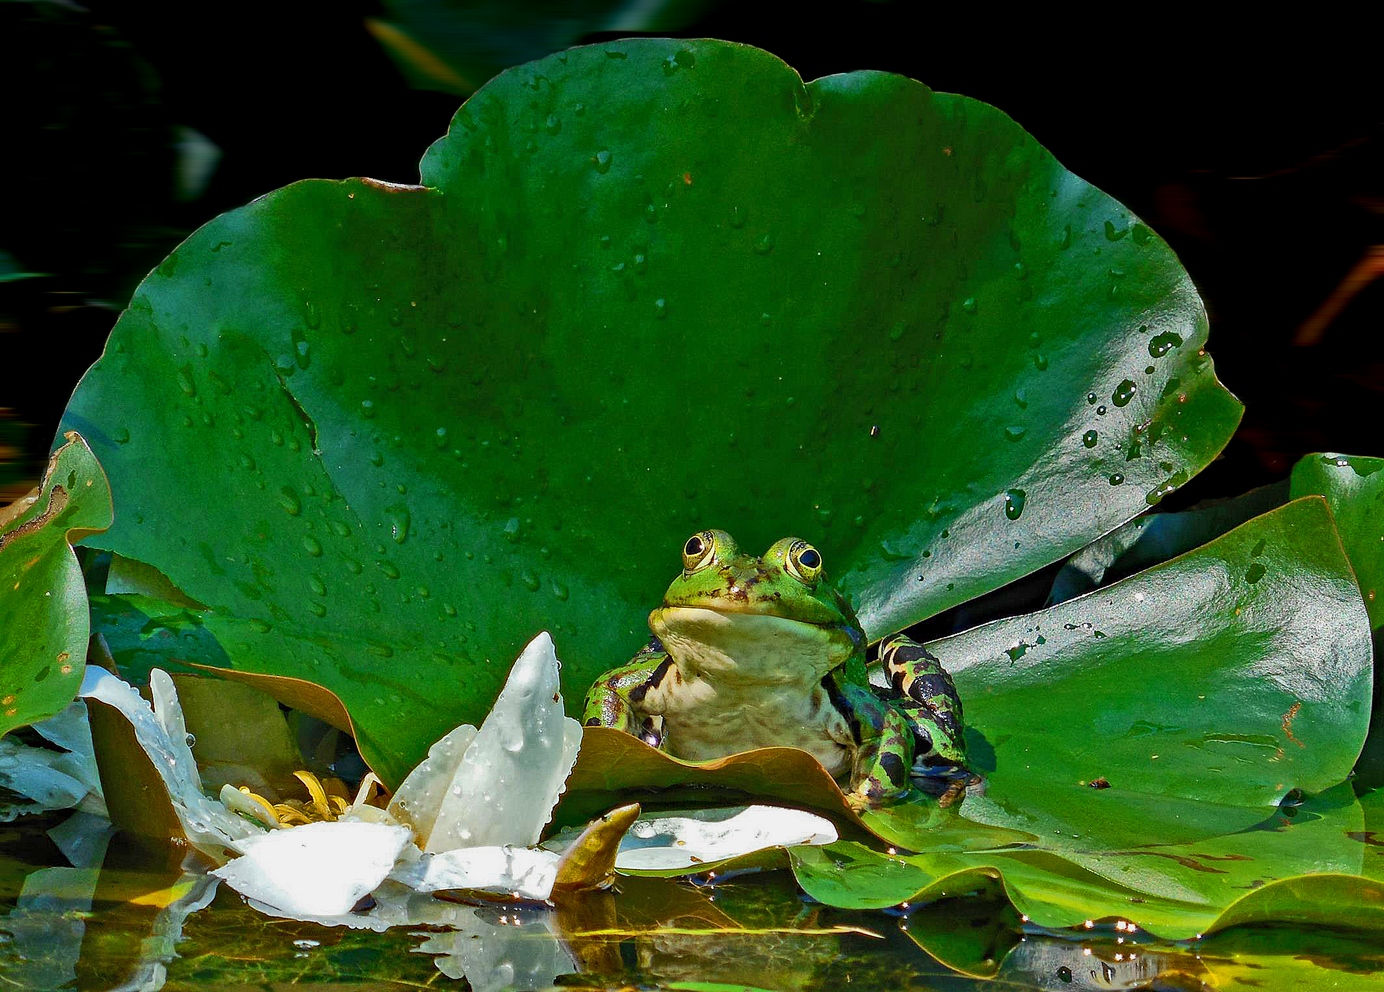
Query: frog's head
x=770 y=619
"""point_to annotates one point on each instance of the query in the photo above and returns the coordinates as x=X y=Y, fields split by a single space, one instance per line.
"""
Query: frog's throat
x=751 y=648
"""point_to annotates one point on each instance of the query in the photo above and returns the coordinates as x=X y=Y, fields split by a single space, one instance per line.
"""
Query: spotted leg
x=924 y=693
x=882 y=740
x=614 y=700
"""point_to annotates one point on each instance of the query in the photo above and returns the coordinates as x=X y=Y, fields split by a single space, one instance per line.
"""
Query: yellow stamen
x=318 y=794
x=262 y=803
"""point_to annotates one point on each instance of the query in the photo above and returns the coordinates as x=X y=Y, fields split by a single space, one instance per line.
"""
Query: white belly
x=714 y=724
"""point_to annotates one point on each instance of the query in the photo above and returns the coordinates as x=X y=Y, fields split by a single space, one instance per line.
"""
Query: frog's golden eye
x=803 y=562
x=699 y=551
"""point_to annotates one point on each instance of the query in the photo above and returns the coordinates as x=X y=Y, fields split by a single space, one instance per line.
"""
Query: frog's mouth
x=731 y=645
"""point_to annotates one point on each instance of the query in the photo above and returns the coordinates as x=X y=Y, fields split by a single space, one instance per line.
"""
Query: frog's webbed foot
x=613 y=700
x=883 y=744
x=925 y=695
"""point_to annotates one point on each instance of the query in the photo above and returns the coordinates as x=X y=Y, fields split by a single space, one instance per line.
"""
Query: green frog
x=752 y=652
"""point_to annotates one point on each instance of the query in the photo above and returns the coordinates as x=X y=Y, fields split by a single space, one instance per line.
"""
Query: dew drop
x=737 y=217
x=1040 y=362
x=1091 y=398
x=312 y=546
x=185 y=382
x=601 y=160
x=390 y=570
x=316 y=584
x=1014 y=501
x=399 y=519
x=660 y=308
x=367 y=409
x=1116 y=479
x=553 y=124
x=969 y=304
x=288 y=499
x=317 y=608
x=1015 y=432
x=1255 y=572
x=1161 y=344
x=764 y=245
x=530 y=581
x=1123 y=393
x=561 y=591
x=121 y=435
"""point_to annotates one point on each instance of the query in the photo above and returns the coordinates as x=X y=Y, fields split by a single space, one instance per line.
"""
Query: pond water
x=132 y=922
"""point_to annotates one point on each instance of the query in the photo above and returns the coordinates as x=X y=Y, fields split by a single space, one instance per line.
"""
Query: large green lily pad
x=43 y=603
x=1197 y=697
x=388 y=433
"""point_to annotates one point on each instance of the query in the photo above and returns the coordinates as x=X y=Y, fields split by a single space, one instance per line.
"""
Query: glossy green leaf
x=1354 y=489
x=388 y=433
x=1232 y=673
x=43 y=599
x=1155 y=537
x=1303 y=869
x=1201 y=692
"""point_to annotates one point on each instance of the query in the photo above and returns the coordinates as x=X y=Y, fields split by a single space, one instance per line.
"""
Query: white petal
x=318 y=869
x=209 y=826
x=506 y=783
x=665 y=842
x=420 y=795
x=520 y=872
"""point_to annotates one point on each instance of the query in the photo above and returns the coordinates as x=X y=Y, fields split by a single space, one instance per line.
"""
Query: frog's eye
x=804 y=562
x=699 y=551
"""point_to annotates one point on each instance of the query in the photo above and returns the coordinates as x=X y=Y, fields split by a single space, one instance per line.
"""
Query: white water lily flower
x=480 y=798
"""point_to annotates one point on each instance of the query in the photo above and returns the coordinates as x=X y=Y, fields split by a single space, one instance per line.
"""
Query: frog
x=757 y=651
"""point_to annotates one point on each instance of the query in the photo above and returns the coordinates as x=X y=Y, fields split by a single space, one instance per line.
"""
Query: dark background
x=1255 y=148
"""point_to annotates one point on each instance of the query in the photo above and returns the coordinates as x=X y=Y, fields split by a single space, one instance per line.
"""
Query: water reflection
x=119 y=916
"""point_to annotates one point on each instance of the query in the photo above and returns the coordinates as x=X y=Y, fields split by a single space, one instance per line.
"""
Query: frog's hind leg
x=926 y=697
x=614 y=700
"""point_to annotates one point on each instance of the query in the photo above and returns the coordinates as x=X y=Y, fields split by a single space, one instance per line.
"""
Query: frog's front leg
x=927 y=698
x=883 y=742
x=614 y=699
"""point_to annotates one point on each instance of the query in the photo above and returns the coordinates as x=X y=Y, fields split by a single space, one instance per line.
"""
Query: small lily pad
x=43 y=639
